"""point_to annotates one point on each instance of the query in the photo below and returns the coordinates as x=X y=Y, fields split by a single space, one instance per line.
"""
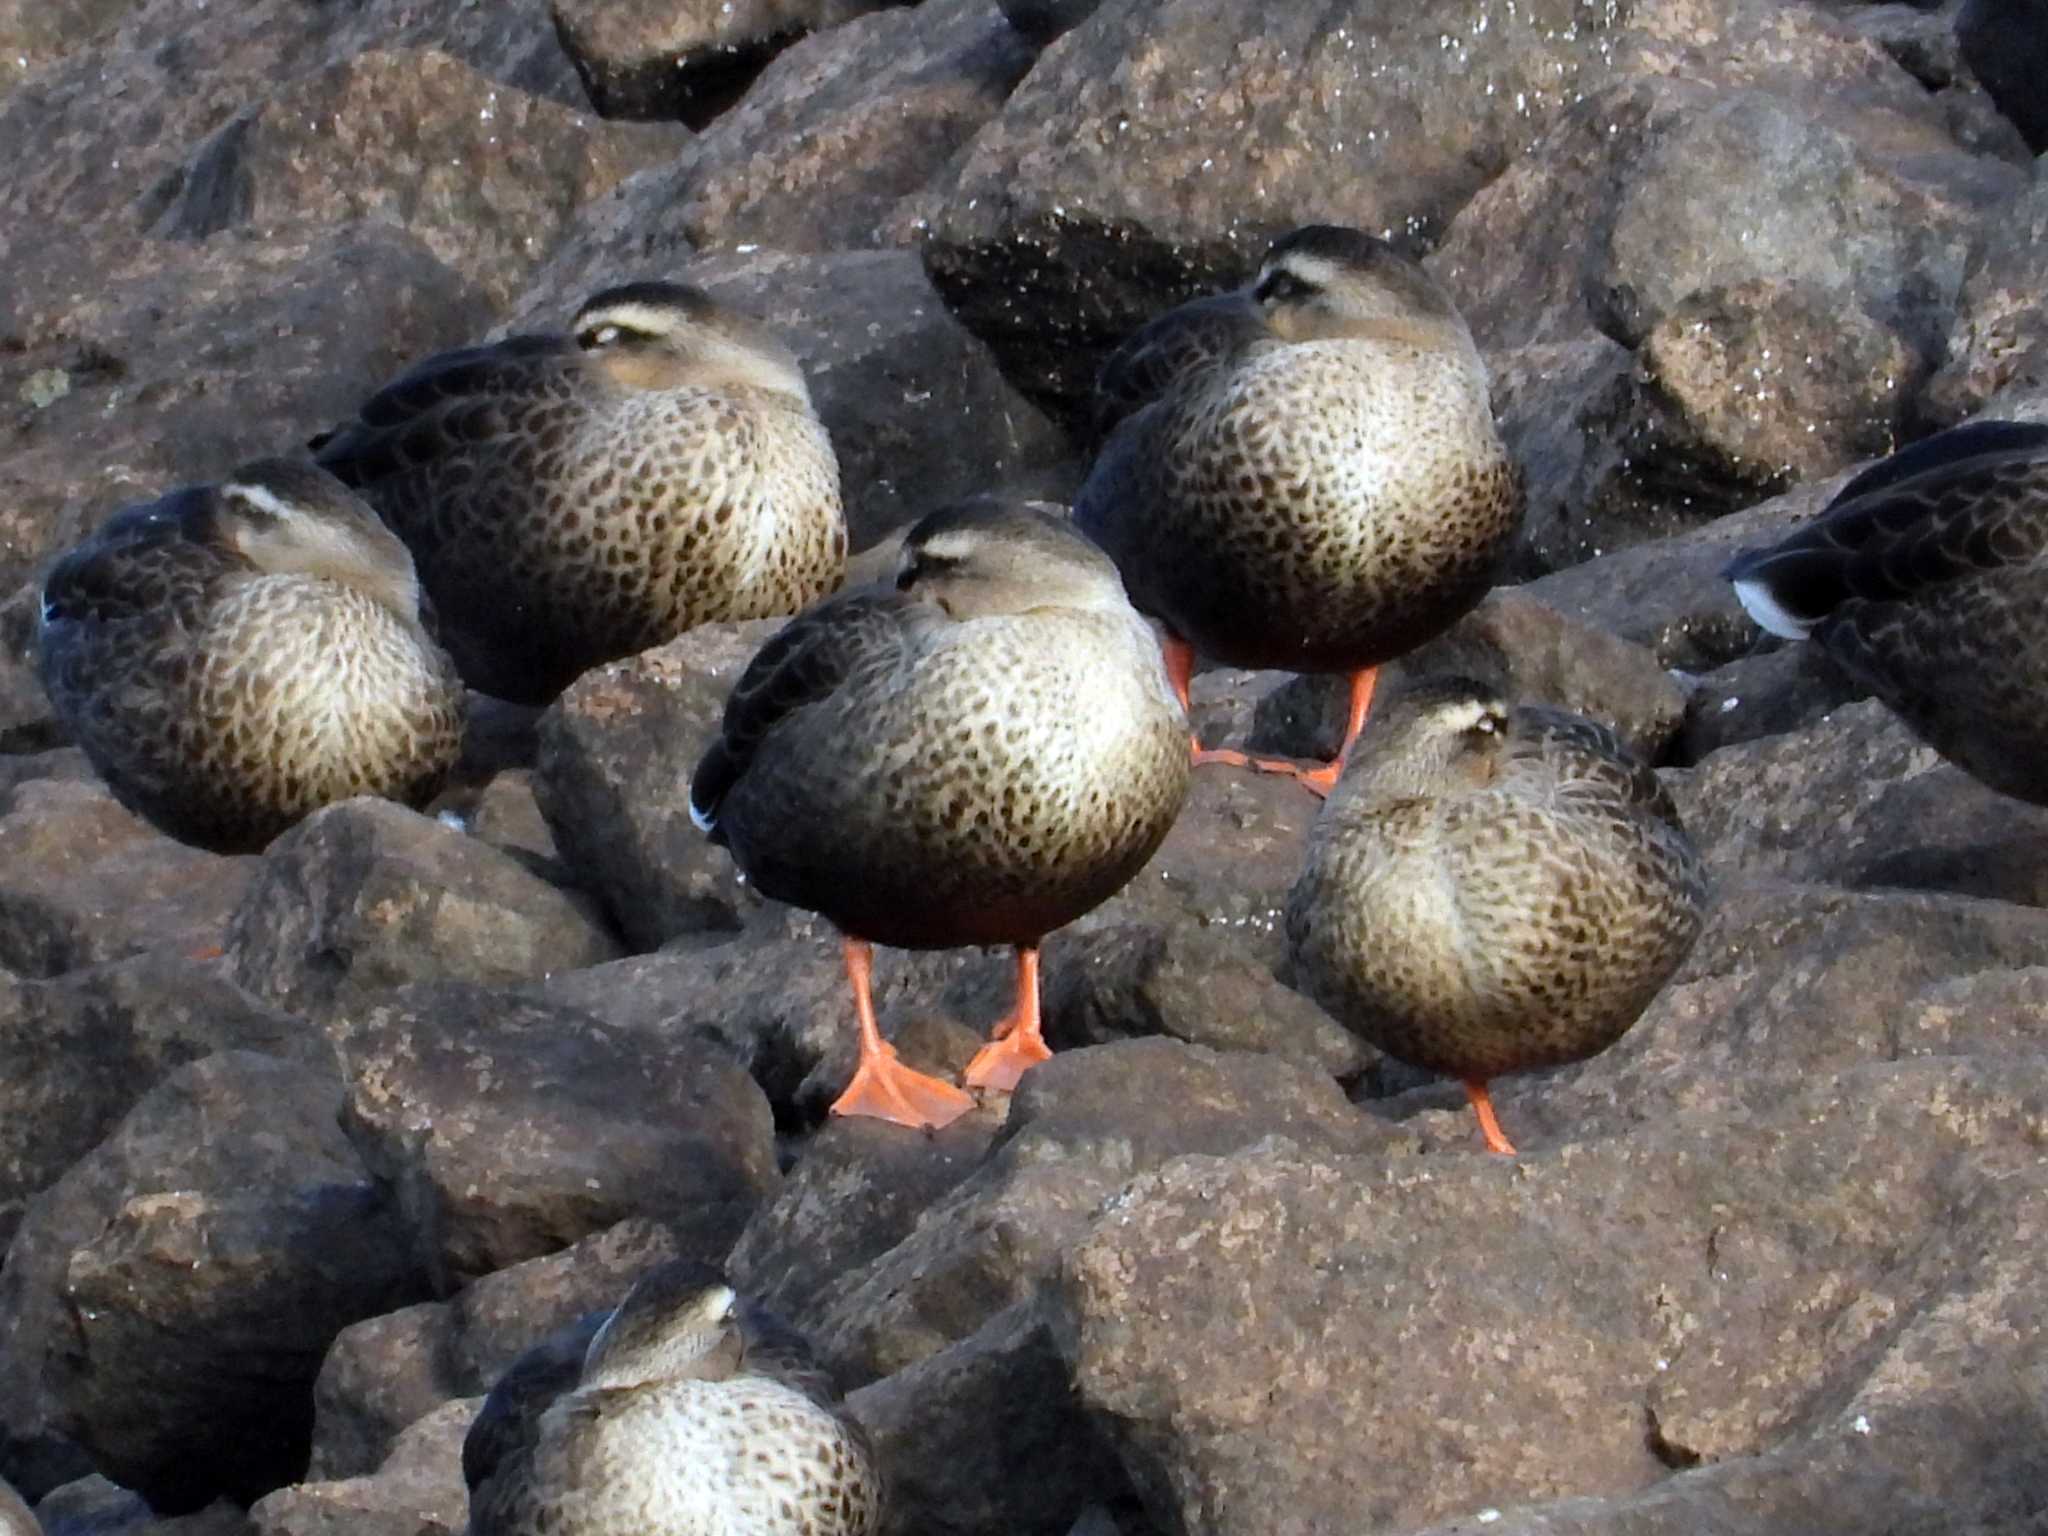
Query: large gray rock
x=387 y=1373
x=487 y=177
x=82 y=1048
x=658 y=58
x=416 y=1491
x=367 y=896
x=478 y=1108
x=1728 y=1290
x=84 y=881
x=167 y=1302
x=180 y=361
x=2000 y=338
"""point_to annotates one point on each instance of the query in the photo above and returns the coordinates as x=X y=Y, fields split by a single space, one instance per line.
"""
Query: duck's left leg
x=1015 y=1046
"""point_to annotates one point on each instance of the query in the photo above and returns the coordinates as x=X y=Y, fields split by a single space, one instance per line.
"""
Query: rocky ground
x=298 y=1151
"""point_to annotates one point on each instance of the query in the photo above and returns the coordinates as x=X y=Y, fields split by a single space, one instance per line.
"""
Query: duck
x=976 y=755
x=668 y=1421
x=572 y=499
x=1305 y=475
x=1925 y=579
x=234 y=656
x=1492 y=889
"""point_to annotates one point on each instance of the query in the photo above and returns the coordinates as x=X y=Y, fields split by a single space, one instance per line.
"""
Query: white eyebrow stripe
x=261 y=497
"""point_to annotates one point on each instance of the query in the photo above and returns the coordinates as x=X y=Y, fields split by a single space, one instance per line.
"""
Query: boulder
x=184 y=360
x=83 y=1047
x=658 y=59
x=1765 y=693
x=487 y=177
x=2000 y=338
x=387 y=1373
x=476 y=1107
x=417 y=1491
x=84 y=881
x=167 y=1302
x=1731 y=1293
x=366 y=896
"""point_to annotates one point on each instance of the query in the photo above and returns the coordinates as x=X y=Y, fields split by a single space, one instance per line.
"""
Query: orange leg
x=1320 y=781
x=1482 y=1105
x=882 y=1087
x=1015 y=1045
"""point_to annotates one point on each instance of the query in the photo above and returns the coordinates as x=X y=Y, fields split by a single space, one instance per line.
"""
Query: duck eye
x=599 y=336
x=1280 y=287
x=905 y=577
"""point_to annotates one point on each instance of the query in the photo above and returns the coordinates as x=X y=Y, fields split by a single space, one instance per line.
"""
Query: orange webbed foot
x=885 y=1089
x=1000 y=1063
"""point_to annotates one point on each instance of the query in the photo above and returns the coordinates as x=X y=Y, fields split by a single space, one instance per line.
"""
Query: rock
x=1857 y=799
x=167 y=1302
x=188 y=360
x=859 y=1189
x=919 y=413
x=986 y=1436
x=1118 y=980
x=418 y=1491
x=34 y=34
x=92 y=1506
x=2000 y=337
x=1515 y=643
x=1669 y=594
x=387 y=1373
x=1763 y=694
x=2006 y=44
x=487 y=177
x=1152 y=154
x=825 y=148
x=366 y=896
x=1729 y=1291
x=1080 y=1127
x=654 y=58
x=1041 y=21
x=616 y=753
x=477 y=1106
x=133 y=1021
x=83 y=881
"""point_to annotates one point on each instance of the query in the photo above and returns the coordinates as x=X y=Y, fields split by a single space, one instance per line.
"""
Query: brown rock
x=616 y=753
x=417 y=1491
x=366 y=896
x=190 y=359
x=487 y=177
x=167 y=1302
x=83 y=881
x=986 y=1436
x=1857 y=799
x=2000 y=337
x=656 y=58
x=387 y=1373
x=840 y=129
x=477 y=1107
x=1763 y=694
x=1079 y=1128
x=82 y=1048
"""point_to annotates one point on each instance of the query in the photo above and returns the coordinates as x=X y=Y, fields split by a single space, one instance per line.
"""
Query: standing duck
x=1322 y=490
x=573 y=499
x=1926 y=579
x=671 y=1425
x=977 y=757
x=1490 y=890
x=233 y=657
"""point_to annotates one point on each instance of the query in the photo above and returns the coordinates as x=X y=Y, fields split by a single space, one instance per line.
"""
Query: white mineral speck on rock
x=1862 y=1425
x=1488 y=1516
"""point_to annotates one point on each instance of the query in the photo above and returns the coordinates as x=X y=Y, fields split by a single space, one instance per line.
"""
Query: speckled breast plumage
x=582 y=525
x=748 y=1456
x=1322 y=506
x=1521 y=920
x=227 y=712
x=1013 y=776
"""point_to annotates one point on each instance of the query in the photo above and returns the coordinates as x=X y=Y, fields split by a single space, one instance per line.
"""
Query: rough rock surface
x=167 y=1301
x=366 y=896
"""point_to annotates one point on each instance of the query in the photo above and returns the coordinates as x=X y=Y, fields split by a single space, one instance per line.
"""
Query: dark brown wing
x=803 y=663
x=1198 y=335
x=137 y=563
x=447 y=402
x=1968 y=500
